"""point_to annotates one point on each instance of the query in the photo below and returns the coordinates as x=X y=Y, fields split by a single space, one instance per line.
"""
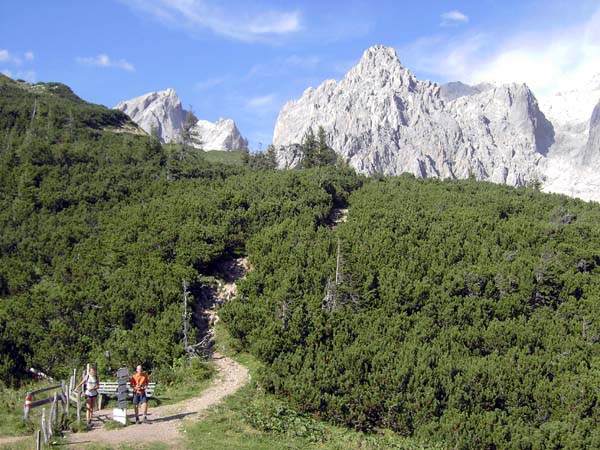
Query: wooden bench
x=109 y=388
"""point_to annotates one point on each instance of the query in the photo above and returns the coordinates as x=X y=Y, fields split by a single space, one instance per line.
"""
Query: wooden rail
x=110 y=389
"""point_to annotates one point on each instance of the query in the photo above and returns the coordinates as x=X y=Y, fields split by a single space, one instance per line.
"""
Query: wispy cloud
x=284 y=66
x=547 y=60
x=307 y=61
x=27 y=75
x=103 y=60
x=15 y=62
x=263 y=104
x=453 y=18
x=209 y=83
x=15 y=59
x=197 y=15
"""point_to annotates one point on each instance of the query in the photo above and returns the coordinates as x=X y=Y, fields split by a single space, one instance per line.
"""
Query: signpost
x=120 y=413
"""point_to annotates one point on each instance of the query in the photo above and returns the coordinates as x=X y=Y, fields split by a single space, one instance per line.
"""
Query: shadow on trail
x=173 y=417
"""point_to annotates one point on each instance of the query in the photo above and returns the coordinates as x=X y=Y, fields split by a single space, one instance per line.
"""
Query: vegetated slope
x=467 y=312
x=100 y=228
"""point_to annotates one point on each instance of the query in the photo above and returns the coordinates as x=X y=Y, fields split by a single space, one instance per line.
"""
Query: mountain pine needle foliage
x=476 y=320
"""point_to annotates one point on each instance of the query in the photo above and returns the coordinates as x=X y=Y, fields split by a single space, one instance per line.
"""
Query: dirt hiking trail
x=166 y=421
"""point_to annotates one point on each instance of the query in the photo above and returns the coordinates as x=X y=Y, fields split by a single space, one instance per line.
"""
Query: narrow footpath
x=167 y=421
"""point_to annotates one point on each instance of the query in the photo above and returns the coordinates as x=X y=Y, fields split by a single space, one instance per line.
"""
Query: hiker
x=139 y=383
x=91 y=392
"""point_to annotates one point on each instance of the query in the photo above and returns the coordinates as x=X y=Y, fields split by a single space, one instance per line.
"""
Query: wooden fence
x=60 y=402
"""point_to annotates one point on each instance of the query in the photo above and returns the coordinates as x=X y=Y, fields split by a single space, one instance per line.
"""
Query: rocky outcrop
x=221 y=135
x=455 y=89
x=574 y=159
x=382 y=119
x=592 y=148
x=163 y=111
x=159 y=110
x=570 y=111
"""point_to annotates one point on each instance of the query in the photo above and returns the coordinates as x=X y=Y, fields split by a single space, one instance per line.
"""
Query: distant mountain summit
x=382 y=119
x=162 y=110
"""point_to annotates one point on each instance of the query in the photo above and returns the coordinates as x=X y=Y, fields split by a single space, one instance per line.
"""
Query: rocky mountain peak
x=159 y=110
x=380 y=67
x=379 y=55
x=162 y=111
x=382 y=119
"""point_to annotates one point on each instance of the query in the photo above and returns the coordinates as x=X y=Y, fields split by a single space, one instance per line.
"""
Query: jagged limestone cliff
x=382 y=119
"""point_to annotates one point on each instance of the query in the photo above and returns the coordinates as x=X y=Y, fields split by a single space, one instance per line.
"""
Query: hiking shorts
x=139 y=397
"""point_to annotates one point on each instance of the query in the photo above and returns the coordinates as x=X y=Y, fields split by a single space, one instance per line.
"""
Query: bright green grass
x=233 y=158
x=11 y=409
x=214 y=156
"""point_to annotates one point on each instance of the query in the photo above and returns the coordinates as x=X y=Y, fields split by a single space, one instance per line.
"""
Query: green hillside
x=99 y=229
x=464 y=313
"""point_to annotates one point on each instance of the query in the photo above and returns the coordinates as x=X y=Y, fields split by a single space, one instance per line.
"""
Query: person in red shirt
x=139 y=383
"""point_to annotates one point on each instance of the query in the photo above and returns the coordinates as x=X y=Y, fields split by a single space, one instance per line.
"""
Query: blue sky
x=243 y=60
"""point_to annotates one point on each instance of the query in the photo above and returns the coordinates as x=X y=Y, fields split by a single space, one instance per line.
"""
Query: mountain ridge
x=162 y=110
x=381 y=119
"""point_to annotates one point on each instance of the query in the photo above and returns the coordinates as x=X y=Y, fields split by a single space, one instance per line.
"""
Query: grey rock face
x=163 y=111
x=592 y=148
x=455 y=89
x=382 y=119
x=221 y=135
x=160 y=110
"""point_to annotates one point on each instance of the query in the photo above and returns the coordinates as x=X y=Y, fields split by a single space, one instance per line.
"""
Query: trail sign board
x=122 y=378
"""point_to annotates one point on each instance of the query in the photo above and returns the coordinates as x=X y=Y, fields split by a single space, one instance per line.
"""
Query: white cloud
x=29 y=56
x=103 y=60
x=27 y=75
x=196 y=15
x=453 y=18
x=8 y=57
x=547 y=60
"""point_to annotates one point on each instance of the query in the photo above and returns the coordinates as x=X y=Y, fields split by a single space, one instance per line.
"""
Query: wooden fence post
x=78 y=407
x=55 y=404
x=27 y=406
x=38 y=440
x=43 y=426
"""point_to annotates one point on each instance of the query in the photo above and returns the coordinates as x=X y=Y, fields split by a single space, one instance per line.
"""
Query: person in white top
x=91 y=393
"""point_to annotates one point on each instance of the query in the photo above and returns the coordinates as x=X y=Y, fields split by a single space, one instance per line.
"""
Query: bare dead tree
x=339 y=292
